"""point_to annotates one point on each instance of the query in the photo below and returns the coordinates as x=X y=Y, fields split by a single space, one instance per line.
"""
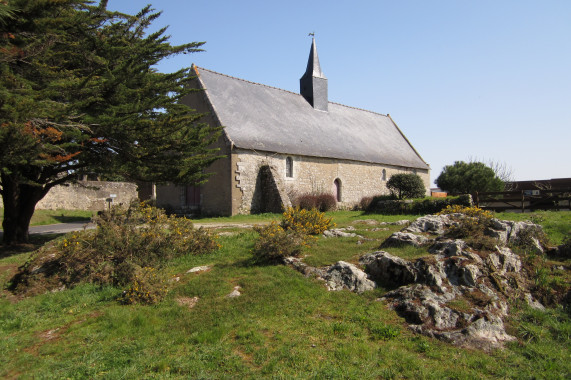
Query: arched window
x=289 y=167
x=384 y=175
x=337 y=189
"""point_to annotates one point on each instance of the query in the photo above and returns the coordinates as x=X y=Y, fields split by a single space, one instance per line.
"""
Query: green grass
x=44 y=217
x=284 y=325
x=246 y=219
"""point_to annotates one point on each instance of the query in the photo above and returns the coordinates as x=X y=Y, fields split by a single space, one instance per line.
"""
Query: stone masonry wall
x=87 y=195
x=315 y=175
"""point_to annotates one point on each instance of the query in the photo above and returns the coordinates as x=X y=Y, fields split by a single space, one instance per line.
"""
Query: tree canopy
x=464 y=178
x=79 y=93
x=405 y=185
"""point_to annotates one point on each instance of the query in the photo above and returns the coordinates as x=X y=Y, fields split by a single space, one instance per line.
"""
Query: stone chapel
x=279 y=144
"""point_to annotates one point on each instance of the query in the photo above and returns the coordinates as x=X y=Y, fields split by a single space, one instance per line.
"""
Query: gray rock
x=339 y=233
x=508 y=232
x=399 y=239
x=198 y=269
x=434 y=224
x=379 y=229
x=427 y=313
x=533 y=303
x=447 y=248
x=370 y=222
x=504 y=260
x=469 y=275
x=235 y=293
x=343 y=275
x=385 y=268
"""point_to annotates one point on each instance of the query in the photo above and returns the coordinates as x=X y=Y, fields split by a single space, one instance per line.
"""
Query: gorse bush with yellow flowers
x=296 y=231
x=275 y=243
x=308 y=222
x=472 y=211
x=471 y=225
x=124 y=241
x=148 y=287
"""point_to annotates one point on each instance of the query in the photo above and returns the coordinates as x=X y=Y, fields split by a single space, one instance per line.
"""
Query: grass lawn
x=44 y=217
x=284 y=325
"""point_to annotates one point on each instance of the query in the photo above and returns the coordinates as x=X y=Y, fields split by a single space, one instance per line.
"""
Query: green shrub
x=275 y=243
x=123 y=242
x=406 y=186
x=387 y=204
x=147 y=288
x=291 y=236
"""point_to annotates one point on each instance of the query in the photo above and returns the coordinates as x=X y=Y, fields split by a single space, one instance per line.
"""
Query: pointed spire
x=313 y=83
x=313 y=67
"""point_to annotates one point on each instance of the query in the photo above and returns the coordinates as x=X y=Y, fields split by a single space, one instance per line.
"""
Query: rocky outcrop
x=455 y=294
x=398 y=239
x=458 y=294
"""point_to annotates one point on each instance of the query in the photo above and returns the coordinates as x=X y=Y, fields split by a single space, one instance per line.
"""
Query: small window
x=337 y=189
x=384 y=175
x=289 y=167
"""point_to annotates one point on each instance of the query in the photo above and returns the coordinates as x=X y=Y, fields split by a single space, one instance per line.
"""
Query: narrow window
x=384 y=174
x=289 y=167
x=337 y=189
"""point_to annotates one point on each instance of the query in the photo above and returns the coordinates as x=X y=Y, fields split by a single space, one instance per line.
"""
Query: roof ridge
x=281 y=89
x=247 y=81
x=360 y=109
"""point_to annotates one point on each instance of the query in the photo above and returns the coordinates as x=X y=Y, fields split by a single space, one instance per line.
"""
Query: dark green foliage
x=406 y=186
x=465 y=178
x=79 y=94
x=385 y=205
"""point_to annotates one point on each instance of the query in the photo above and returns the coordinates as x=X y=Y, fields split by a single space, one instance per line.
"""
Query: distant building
x=540 y=184
x=279 y=144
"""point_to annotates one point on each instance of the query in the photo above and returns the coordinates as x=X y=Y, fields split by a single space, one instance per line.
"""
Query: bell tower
x=313 y=84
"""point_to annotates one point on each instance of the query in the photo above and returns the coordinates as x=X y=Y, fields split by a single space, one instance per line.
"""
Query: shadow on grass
x=35 y=242
x=71 y=219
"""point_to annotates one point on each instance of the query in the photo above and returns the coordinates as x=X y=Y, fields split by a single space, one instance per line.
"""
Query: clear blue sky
x=479 y=79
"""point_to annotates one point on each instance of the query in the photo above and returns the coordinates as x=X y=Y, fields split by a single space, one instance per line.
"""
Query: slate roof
x=264 y=118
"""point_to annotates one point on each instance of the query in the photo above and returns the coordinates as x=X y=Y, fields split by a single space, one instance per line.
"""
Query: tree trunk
x=19 y=204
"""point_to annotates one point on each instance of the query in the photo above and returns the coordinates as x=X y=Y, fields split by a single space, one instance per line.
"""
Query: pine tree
x=79 y=93
x=469 y=177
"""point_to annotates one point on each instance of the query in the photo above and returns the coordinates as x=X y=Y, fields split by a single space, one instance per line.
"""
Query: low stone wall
x=88 y=195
